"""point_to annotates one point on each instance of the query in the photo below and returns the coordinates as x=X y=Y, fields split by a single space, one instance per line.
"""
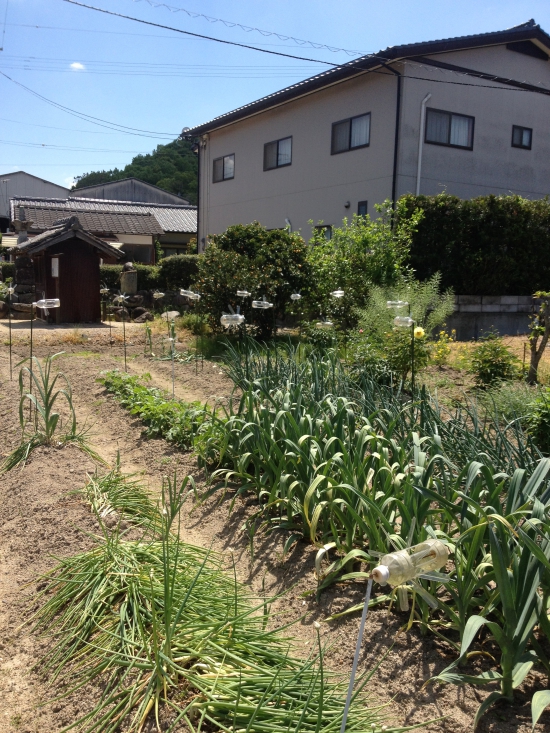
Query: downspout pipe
x=396 y=139
x=421 y=141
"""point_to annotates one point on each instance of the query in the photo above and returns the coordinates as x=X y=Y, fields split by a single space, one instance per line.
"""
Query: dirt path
x=38 y=519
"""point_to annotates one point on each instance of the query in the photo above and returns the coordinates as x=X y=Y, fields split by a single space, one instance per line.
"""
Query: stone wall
x=475 y=315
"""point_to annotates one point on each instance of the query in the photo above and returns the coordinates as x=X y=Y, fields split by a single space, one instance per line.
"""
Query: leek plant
x=169 y=636
x=46 y=426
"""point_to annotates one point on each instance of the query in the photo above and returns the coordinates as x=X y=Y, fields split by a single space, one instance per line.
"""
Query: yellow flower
x=419 y=332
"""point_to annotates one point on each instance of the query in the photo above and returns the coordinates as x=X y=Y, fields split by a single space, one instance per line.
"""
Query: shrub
x=177 y=271
x=490 y=245
x=441 y=348
x=397 y=351
x=492 y=361
x=361 y=253
x=430 y=308
x=197 y=323
x=148 y=276
x=270 y=263
x=7 y=269
x=539 y=421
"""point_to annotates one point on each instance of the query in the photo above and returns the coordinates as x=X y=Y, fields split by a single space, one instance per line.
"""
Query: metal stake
x=30 y=374
x=356 y=657
x=9 y=322
x=124 y=337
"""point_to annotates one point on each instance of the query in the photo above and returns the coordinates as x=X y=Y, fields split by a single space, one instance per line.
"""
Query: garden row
x=170 y=636
x=341 y=460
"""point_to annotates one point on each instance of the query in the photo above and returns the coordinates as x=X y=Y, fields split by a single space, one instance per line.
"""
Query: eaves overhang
x=529 y=31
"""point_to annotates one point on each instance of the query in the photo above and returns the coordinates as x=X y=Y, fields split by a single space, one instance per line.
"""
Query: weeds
x=46 y=419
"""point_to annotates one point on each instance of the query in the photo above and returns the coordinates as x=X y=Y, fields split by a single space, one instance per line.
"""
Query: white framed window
x=522 y=137
x=223 y=168
x=350 y=134
x=449 y=128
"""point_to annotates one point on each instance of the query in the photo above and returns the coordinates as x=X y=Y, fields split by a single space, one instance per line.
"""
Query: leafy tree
x=360 y=254
x=249 y=257
x=172 y=167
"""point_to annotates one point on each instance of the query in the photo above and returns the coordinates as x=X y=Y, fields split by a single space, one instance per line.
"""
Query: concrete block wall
x=475 y=315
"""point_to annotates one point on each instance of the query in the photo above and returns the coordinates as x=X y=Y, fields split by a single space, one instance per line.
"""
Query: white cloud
x=77 y=66
x=69 y=181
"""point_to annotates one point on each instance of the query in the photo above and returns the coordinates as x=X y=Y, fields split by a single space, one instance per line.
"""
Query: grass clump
x=169 y=636
x=46 y=423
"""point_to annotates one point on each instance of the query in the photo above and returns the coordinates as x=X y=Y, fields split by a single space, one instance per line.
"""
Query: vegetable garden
x=342 y=441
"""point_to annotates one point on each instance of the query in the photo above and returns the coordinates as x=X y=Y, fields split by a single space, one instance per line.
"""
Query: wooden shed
x=66 y=264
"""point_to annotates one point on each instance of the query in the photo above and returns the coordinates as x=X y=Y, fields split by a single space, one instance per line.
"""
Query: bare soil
x=39 y=519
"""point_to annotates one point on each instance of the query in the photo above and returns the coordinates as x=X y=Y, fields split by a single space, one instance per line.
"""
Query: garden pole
x=30 y=374
x=356 y=657
x=124 y=337
x=9 y=326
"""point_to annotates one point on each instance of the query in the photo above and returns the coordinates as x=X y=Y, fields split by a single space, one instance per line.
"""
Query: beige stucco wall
x=317 y=184
x=493 y=166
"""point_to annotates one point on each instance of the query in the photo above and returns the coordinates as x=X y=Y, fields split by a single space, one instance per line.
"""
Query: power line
x=198 y=35
x=349 y=65
x=94 y=120
x=52 y=127
x=4 y=29
x=249 y=29
x=116 y=33
x=74 y=149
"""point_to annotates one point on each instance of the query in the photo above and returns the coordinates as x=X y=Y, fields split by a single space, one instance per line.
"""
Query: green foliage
x=249 y=257
x=177 y=271
x=172 y=167
x=7 y=269
x=397 y=352
x=172 y=273
x=361 y=253
x=201 y=650
x=490 y=245
x=441 y=348
x=344 y=465
x=197 y=323
x=539 y=330
x=539 y=421
x=492 y=361
x=44 y=428
x=175 y=421
x=430 y=307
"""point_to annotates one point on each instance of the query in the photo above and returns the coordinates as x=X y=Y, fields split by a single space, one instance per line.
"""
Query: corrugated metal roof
x=525 y=31
x=95 y=221
x=169 y=218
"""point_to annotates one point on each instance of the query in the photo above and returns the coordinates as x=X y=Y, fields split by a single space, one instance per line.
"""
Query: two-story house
x=467 y=115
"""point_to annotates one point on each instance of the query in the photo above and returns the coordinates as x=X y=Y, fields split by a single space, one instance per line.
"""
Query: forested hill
x=172 y=167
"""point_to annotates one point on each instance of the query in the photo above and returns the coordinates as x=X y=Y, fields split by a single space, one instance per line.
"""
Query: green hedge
x=171 y=273
x=490 y=245
x=8 y=269
x=178 y=271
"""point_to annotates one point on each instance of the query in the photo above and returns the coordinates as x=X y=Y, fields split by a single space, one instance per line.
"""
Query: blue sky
x=159 y=81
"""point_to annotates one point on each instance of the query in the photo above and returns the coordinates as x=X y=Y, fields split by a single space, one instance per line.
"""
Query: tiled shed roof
x=45 y=217
x=69 y=227
x=167 y=218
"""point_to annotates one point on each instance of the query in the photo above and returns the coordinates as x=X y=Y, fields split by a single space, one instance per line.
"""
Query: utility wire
x=64 y=147
x=349 y=65
x=249 y=29
x=4 y=29
x=94 y=120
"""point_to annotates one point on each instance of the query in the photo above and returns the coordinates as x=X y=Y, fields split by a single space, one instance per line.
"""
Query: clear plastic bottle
x=399 y=567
